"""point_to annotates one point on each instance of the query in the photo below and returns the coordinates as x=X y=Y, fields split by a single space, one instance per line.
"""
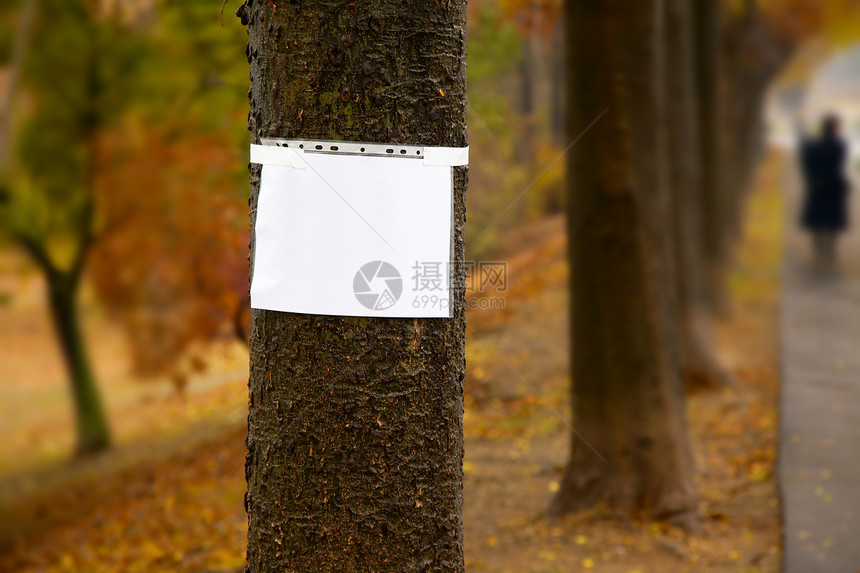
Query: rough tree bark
x=699 y=364
x=626 y=393
x=355 y=437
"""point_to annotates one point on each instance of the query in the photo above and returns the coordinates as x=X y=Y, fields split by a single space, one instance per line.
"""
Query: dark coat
x=825 y=204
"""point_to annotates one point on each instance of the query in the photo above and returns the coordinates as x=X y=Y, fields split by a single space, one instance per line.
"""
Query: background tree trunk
x=92 y=428
x=7 y=98
x=526 y=72
x=754 y=56
x=556 y=86
x=72 y=194
x=699 y=364
x=626 y=392
x=355 y=439
x=707 y=17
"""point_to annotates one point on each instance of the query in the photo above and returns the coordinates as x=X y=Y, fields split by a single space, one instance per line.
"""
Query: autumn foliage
x=173 y=263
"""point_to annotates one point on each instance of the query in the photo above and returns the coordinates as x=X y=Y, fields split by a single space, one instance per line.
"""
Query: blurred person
x=826 y=190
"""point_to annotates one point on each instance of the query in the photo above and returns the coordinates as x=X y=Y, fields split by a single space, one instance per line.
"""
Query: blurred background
x=124 y=279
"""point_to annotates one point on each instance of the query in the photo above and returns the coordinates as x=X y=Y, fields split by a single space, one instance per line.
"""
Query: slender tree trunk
x=754 y=56
x=556 y=84
x=712 y=118
x=699 y=364
x=355 y=439
x=7 y=98
x=626 y=392
x=92 y=428
x=526 y=148
x=740 y=126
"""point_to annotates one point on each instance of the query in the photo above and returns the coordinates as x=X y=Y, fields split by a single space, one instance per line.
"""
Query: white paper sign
x=352 y=235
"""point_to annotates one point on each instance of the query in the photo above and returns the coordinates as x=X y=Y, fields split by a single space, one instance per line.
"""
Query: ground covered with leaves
x=169 y=496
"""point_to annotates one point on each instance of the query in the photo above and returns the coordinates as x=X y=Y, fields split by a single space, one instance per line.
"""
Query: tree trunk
x=699 y=364
x=556 y=84
x=14 y=68
x=712 y=118
x=92 y=428
x=754 y=56
x=526 y=148
x=355 y=437
x=626 y=393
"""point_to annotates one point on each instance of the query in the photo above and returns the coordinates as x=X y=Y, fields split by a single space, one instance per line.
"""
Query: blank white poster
x=354 y=236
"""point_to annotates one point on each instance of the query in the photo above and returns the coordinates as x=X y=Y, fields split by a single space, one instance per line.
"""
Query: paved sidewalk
x=819 y=461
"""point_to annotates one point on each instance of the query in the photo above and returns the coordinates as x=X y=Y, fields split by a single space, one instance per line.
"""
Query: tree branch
x=86 y=238
x=37 y=251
